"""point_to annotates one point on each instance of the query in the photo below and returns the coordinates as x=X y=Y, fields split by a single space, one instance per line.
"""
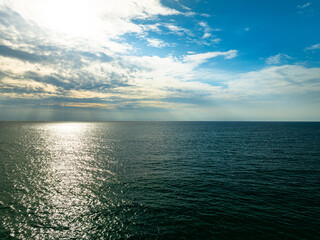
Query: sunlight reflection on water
x=67 y=199
x=64 y=182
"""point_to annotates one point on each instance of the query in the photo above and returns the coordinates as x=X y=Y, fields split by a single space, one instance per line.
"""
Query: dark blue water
x=159 y=180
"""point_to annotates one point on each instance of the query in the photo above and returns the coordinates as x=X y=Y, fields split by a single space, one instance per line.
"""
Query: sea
x=160 y=180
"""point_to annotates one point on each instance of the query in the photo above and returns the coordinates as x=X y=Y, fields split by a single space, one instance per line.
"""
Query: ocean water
x=159 y=180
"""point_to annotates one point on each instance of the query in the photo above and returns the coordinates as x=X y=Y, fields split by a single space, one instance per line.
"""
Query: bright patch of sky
x=159 y=60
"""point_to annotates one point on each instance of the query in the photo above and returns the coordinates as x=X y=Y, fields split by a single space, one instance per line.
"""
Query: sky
x=121 y=60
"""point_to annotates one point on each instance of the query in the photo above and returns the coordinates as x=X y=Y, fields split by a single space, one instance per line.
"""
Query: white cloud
x=208 y=38
x=216 y=40
x=203 y=24
x=189 y=14
x=9 y=83
x=206 y=35
x=169 y=77
x=205 y=15
x=313 y=47
x=81 y=25
x=203 y=57
x=156 y=43
x=291 y=80
x=277 y=59
x=177 y=30
x=18 y=67
x=183 y=6
x=93 y=19
x=207 y=28
x=304 y=5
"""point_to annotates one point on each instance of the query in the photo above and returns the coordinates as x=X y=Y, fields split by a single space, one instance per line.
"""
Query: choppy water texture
x=159 y=180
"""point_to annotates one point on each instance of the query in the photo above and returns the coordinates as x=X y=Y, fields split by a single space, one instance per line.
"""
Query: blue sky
x=159 y=60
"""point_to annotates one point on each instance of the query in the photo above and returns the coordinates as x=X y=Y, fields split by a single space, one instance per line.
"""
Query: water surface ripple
x=159 y=180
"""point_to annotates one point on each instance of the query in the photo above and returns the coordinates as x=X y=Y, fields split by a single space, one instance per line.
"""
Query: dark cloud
x=81 y=81
x=51 y=79
x=21 y=55
x=189 y=100
x=100 y=56
x=22 y=90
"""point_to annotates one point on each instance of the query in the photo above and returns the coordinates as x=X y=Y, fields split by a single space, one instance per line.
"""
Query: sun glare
x=72 y=17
